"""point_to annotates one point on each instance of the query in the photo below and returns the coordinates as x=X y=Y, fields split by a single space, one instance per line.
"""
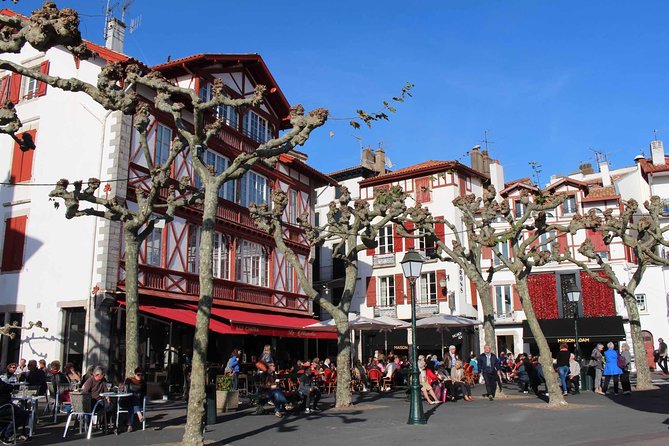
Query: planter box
x=227 y=400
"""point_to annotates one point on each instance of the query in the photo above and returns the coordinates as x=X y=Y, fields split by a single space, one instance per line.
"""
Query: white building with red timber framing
x=69 y=273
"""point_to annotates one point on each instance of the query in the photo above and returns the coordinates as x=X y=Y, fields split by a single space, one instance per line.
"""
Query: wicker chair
x=81 y=408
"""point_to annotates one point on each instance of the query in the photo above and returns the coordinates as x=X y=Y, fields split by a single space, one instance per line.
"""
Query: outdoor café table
x=118 y=396
x=24 y=400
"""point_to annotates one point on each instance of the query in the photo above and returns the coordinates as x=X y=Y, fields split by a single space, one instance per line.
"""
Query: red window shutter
x=441 y=296
x=399 y=289
x=15 y=88
x=41 y=87
x=371 y=292
x=562 y=239
x=597 y=240
x=474 y=291
x=397 y=240
x=410 y=242
x=486 y=253
x=22 y=162
x=517 y=305
x=14 y=241
x=4 y=88
x=439 y=229
x=422 y=190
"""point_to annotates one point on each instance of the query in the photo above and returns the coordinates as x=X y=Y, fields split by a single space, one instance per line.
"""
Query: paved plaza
x=519 y=419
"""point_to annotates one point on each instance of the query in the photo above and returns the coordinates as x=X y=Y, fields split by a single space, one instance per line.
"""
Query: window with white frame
x=544 y=244
x=154 y=247
x=503 y=301
x=519 y=208
x=504 y=252
x=290 y=273
x=569 y=205
x=292 y=207
x=253 y=188
x=257 y=127
x=641 y=302
x=425 y=244
x=227 y=113
x=220 y=256
x=428 y=288
x=251 y=263
x=386 y=240
x=29 y=87
x=163 y=144
x=220 y=163
x=386 y=291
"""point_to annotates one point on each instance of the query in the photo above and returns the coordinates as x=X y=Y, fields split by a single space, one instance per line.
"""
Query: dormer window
x=569 y=205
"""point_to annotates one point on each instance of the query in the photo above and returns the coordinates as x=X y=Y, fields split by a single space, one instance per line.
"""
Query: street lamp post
x=412 y=263
x=574 y=295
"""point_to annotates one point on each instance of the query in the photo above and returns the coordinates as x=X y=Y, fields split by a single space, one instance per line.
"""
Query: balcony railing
x=504 y=316
x=385 y=311
x=159 y=279
x=383 y=260
x=426 y=310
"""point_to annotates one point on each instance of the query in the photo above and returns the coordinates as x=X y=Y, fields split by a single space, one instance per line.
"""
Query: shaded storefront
x=428 y=341
x=591 y=331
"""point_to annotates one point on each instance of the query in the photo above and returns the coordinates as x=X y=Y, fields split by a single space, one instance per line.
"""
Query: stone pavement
x=519 y=419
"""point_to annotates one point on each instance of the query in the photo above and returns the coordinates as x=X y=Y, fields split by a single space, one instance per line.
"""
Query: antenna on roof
x=359 y=138
x=600 y=157
x=110 y=12
x=485 y=140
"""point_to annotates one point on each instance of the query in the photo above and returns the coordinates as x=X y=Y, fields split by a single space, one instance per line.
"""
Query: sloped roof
x=319 y=177
x=252 y=62
x=601 y=193
x=424 y=168
x=524 y=183
x=647 y=165
x=567 y=180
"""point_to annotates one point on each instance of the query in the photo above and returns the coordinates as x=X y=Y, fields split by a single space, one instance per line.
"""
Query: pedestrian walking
x=625 y=377
x=488 y=365
x=611 y=369
x=662 y=356
x=563 y=366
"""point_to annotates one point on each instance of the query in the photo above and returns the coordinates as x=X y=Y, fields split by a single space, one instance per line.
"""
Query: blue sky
x=550 y=80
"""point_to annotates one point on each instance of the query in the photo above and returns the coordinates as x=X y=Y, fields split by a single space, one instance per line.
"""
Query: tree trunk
x=343 y=395
x=545 y=357
x=643 y=377
x=193 y=435
x=488 y=315
x=131 y=301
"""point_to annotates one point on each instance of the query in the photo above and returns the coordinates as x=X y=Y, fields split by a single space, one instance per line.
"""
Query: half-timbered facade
x=70 y=274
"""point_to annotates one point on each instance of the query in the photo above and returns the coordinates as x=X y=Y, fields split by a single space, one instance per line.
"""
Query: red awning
x=185 y=316
x=270 y=324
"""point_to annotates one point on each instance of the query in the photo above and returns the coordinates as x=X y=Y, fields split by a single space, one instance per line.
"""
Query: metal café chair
x=81 y=409
x=8 y=419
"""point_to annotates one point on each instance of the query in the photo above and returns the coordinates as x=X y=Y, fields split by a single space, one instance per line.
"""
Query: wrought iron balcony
x=385 y=311
x=426 y=310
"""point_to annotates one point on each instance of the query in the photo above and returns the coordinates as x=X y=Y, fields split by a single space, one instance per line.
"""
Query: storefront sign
x=568 y=340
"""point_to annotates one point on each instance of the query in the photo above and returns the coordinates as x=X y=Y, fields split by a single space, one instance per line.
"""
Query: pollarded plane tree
x=523 y=234
x=643 y=233
x=466 y=253
x=352 y=226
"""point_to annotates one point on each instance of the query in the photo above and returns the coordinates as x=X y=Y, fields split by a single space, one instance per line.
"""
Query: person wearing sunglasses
x=137 y=386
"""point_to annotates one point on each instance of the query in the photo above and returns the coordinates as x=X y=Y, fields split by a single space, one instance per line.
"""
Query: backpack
x=622 y=363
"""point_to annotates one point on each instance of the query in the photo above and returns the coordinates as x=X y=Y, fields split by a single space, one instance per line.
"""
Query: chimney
x=380 y=161
x=657 y=152
x=497 y=177
x=486 y=160
x=368 y=159
x=476 y=159
x=586 y=169
x=115 y=35
x=606 y=176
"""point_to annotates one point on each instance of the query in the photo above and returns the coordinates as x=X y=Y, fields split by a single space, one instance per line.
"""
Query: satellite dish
x=389 y=164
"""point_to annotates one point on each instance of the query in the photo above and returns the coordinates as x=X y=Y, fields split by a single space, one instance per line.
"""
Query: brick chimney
x=380 y=161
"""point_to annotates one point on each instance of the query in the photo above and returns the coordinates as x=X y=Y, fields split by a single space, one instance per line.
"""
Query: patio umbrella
x=395 y=324
x=354 y=321
x=445 y=321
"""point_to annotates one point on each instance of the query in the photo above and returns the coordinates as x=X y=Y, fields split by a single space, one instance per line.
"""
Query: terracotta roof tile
x=648 y=167
x=424 y=168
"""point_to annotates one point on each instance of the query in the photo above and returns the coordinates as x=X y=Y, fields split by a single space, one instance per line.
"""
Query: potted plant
x=226 y=398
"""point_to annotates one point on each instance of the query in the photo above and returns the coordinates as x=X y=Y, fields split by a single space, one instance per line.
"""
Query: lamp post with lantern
x=574 y=295
x=412 y=263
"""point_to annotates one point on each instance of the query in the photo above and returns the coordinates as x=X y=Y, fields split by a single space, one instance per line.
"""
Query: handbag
x=622 y=363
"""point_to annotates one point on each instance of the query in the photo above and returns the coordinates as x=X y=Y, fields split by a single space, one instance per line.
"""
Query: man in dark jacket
x=36 y=377
x=7 y=432
x=488 y=365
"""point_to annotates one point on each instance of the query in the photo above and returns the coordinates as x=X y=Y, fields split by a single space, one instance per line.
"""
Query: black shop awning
x=590 y=329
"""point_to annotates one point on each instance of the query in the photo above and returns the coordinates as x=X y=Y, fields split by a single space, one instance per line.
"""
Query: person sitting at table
x=20 y=415
x=23 y=367
x=270 y=385
x=425 y=384
x=309 y=391
x=96 y=385
x=10 y=375
x=71 y=373
x=458 y=378
x=88 y=374
x=360 y=374
x=446 y=382
x=60 y=382
x=36 y=377
x=137 y=386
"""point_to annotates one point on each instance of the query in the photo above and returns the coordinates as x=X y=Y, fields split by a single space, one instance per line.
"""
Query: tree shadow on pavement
x=654 y=400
